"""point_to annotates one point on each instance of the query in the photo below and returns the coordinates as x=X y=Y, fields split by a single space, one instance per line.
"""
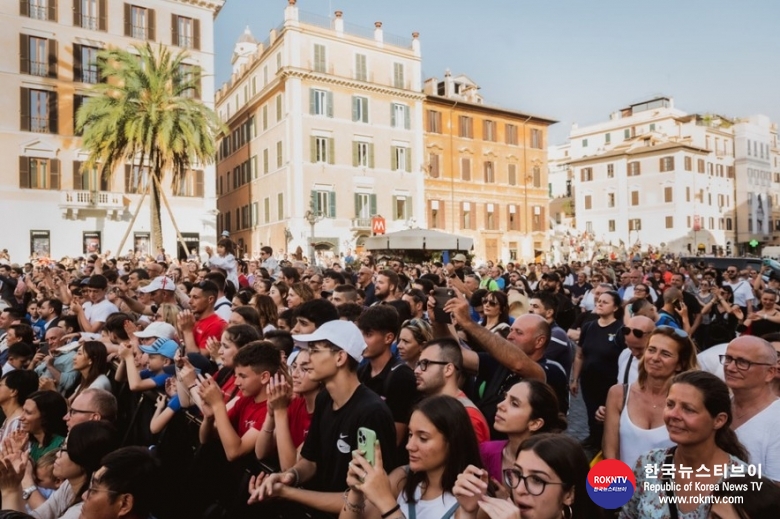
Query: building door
x=491 y=250
x=192 y=239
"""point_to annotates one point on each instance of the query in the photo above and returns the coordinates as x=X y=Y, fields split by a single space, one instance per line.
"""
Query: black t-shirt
x=601 y=347
x=582 y=319
x=333 y=436
x=558 y=380
x=396 y=385
x=560 y=348
x=762 y=326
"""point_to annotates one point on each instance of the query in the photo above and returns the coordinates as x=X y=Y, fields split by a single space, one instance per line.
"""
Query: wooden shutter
x=24 y=172
x=24 y=54
x=102 y=15
x=465 y=166
x=196 y=33
x=392 y=115
x=393 y=158
x=52 y=48
x=24 y=7
x=76 y=13
x=371 y=155
x=54 y=174
x=199 y=183
x=53 y=113
x=407 y=118
x=355 y=104
x=128 y=20
x=312 y=104
x=128 y=179
x=25 y=109
x=52 y=10
x=313 y=148
x=357 y=205
x=313 y=203
x=355 y=154
x=332 y=202
x=434 y=165
x=408 y=156
x=175 y=30
x=151 y=29
x=328 y=103
x=331 y=151
x=364 y=102
x=78 y=176
x=372 y=205
x=78 y=66
x=266 y=161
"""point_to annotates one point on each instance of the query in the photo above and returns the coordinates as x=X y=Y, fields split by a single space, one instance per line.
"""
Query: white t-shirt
x=428 y=509
x=98 y=313
x=58 y=505
x=760 y=438
x=633 y=371
x=743 y=292
x=223 y=310
x=709 y=360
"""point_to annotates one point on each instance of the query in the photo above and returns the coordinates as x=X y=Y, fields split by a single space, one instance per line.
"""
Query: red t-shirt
x=228 y=388
x=299 y=419
x=477 y=418
x=211 y=326
x=248 y=414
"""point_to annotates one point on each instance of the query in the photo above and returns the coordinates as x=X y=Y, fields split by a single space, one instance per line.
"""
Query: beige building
x=48 y=69
x=325 y=133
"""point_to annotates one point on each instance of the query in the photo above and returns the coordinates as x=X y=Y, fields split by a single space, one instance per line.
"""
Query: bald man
x=749 y=366
x=637 y=334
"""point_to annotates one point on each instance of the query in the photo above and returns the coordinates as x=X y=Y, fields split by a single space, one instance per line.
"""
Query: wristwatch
x=27 y=492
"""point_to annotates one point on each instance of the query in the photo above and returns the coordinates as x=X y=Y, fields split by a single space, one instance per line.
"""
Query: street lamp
x=312 y=217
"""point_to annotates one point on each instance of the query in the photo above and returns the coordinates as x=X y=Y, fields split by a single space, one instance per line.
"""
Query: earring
x=567 y=512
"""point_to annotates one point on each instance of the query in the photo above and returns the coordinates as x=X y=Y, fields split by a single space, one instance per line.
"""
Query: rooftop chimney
x=338 y=23
x=378 y=36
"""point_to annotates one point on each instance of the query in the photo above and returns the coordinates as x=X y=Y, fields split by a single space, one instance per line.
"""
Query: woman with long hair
x=634 y=422
x=705 y=293
x=43 y=416
x=595 y=365
x=78 y=459
x=698 y=417
x=278 y=293
x=442 y=443
x=725 y=317
x=299 y=293
x=529 y=407
x=167 y=313
x=495 y=308
x=547 y=481
x=245 y=315
x=267 y=311
x=233 y=339
x=414 y=334
x=91 y=361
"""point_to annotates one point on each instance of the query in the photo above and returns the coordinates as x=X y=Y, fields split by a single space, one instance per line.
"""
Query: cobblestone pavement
x=577 y=418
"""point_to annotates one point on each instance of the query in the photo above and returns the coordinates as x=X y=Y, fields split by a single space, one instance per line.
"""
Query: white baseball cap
x=342 y=334
x=159 y=329
x=159 y=283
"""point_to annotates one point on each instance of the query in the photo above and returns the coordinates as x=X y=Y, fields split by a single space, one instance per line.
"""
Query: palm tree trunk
x=154 y=205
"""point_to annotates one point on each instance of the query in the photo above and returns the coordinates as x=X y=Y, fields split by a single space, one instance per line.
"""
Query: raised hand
x=470 y=486
x=279 y=392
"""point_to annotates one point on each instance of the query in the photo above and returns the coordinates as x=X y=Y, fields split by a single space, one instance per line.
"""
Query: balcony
x=73 y=203
x=361 y=224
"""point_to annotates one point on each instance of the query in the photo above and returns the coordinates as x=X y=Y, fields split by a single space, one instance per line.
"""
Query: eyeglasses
x=742 y=364
x=636 y=331
x=678 y=332
x=489 y=302
x=73 y=411
x=92 y=490
x=423 y=364
x=533 y=484
x=640 y=289
x=731 y=272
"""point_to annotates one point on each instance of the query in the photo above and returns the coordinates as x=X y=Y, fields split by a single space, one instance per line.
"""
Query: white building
x=326 y=122
x=48 y=205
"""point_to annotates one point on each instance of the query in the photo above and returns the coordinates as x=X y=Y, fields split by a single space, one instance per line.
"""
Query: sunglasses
x=636 y=331
x=489 y=302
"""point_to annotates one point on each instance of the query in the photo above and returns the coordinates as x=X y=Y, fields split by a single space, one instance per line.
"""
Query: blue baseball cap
x=162 y=346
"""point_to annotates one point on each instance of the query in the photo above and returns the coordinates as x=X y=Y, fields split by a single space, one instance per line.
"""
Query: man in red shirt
x=194 y=333
x=238 y=428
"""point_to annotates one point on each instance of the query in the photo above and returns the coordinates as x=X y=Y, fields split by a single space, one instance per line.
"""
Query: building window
x=38 y=56
x=324 y=203
x=39 y=173
x=320 y=58
x=611 y=223
x=610 y=199
x=185 y=32
x=39 y=9
x=588 y=202
x=635 y=224
x=652 y=127
x=465 y=219
x=490 y=176
x=434 y=121
x=633 y=169
x=634 y=197
x=361 y=70
x=710 y=168
x=610 y=170
x=512 y=174
x=589 y=227
x=360 y=109
x=668 y=195
x=465 y=168
x=280 y=106
x=626 y=133
x=536 y=139
x=399 y=115
x=607 y=138
x=398 y=75
x=489 y=130
x=279 y=154
x=491 y=217
x=719 y=170
x=39 y=111
x=436 y=214
x=434 y=165
x=280 y=206
x=139 y=22
x=401 y=159
x=88 y=180
x=320 y=103
x=667 y=164
x=402 y=207
x=586 y=174
x=265 y=117
x=584 y=143
x=322 y=150
x=90 y=14
x=700 y=166
x=190 y=183
x=137 y=179
x=85 y=66
x=538 y=219
x=363 y=154
x=365 y=205
x=512 y=220
x=190 y=81
x=688 y=163
x=465 y=127
x=266 y=161
x=537 y=175
x=511 y=134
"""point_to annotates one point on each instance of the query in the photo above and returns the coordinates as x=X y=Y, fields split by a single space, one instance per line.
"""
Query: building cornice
x=487 y=109
x=212 y=5
x=303 y=74
x=643 y=150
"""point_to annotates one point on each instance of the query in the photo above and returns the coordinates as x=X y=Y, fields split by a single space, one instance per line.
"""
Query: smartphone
x=677 y=305
x=367 y=444
x=43 y=348
x=442 y=295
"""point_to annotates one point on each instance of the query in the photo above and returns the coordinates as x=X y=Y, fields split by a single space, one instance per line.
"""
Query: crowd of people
x=265 y=387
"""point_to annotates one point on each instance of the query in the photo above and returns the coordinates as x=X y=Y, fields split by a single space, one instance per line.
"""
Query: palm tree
x=145 y=113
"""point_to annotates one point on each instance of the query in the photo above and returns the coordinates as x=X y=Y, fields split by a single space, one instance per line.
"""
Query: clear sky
x=571 y=60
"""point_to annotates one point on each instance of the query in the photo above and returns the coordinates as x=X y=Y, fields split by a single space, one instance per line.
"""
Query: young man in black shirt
x=336 y=348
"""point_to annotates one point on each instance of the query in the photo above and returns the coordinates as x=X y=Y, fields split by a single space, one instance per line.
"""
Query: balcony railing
x=361 y=223
x=38 y=12
x=92 y=200
x=89 y=22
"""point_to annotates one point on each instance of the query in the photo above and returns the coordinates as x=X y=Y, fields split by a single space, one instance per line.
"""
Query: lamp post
x=312 y=217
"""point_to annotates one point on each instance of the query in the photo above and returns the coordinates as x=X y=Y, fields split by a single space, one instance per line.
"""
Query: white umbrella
x=419 y=239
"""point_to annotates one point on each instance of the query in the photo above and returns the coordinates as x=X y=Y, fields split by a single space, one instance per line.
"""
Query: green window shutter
x=393 y=158
x=54 y=174
x=408 y=155
x=364 y=101
x=407 y=118
x=329 y=103
x=312 y=102
x=78 y=176
x=331 y=151
x=314 y=200
x=313 y=142
x=355 y=157
x=395 y=208
x=371 y=155
x=372 y=205
x=355 y=105
x=392 y=115
x=151 y=30
x=279 y=108
x=265 y=117
x=24 y=53
x=332 y=208
x=24 y=172
x=357 y=205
